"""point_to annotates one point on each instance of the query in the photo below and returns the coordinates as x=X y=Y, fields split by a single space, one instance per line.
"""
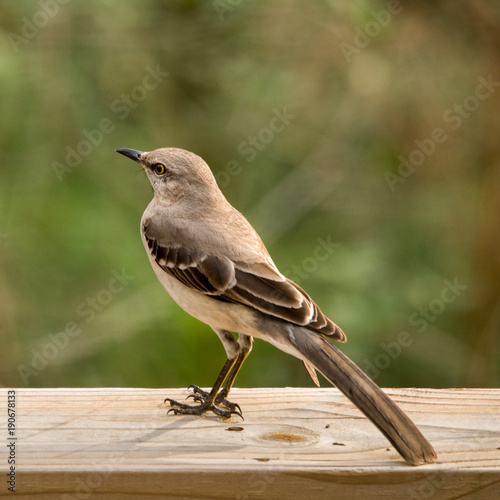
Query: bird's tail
x=338 y=369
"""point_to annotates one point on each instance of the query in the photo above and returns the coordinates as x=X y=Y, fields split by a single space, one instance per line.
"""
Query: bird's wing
x=258 y=285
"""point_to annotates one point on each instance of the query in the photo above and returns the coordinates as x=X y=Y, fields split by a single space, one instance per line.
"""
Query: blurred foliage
x=360 y=83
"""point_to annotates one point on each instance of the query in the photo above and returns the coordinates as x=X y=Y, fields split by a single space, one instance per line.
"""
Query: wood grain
x=293 y=443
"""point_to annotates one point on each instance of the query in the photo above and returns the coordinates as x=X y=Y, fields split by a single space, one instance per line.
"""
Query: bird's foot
x=220 y=399
x=206 y=404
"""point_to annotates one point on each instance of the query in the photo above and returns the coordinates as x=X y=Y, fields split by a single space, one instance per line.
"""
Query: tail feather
x=338 y=369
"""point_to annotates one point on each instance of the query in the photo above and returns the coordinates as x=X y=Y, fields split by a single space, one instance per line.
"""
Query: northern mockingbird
x=214 y=265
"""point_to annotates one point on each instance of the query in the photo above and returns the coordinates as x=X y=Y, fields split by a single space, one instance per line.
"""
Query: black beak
x=131 y=153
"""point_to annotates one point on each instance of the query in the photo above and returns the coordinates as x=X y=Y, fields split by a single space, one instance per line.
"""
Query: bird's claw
x=199 y=395
x=206 y=404
x=185 y=409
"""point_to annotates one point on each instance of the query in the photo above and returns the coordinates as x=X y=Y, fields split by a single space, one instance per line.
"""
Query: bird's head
x=176 y=174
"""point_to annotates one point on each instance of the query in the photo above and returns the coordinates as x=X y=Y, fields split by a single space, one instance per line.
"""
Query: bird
x=214 y=265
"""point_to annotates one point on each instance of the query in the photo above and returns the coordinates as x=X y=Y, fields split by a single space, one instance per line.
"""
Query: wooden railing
x=293 y=443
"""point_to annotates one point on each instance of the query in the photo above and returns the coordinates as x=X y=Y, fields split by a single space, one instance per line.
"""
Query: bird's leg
x=220 y=398
x=245 y=343
x=208 y=400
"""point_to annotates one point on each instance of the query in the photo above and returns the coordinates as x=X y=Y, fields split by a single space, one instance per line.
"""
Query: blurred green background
x=387 y=155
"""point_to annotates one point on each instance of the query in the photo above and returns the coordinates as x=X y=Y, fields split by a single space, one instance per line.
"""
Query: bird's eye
x=159 y=168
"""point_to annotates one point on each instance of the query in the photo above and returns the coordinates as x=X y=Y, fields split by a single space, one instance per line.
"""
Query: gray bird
x=214 y=265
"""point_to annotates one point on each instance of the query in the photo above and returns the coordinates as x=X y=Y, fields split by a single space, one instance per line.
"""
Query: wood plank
x=293 y=443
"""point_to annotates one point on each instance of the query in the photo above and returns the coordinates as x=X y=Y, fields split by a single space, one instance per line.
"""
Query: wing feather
x=258 y=285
